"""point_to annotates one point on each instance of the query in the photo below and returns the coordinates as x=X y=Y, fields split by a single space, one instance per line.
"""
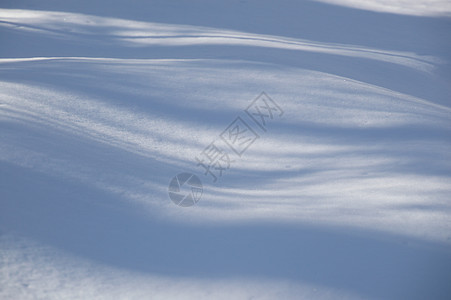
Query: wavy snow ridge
x=127 y=33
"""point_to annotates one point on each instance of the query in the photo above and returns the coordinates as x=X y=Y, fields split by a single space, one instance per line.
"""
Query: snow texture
x=345 y=196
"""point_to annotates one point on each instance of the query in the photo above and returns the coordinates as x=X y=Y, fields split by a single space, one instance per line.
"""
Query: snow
x=346 y=195
x=407 y=7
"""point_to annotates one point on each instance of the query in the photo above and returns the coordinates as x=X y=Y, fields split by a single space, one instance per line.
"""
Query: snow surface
x=346 y=196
